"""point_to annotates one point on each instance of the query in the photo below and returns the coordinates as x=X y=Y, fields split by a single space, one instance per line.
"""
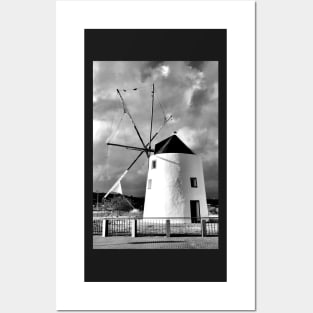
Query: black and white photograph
x=155 y=150
x=155 y=155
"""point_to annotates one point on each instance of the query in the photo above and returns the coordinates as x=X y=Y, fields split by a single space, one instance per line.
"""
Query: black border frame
x=168 y=265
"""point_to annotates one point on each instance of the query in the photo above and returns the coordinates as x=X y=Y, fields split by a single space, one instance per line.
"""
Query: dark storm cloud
x=154 y=64
x=199 y=98
x=196 y=64
x=211 y=178
x=187 y=90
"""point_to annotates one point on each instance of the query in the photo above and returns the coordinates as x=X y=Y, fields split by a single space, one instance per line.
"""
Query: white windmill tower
x=175 y=182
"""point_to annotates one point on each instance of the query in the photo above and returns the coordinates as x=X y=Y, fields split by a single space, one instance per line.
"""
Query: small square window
x=153 y=165
x=149 y=183
x=193 y=182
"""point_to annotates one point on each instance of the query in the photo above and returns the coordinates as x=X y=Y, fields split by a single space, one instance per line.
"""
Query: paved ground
x=158 y=242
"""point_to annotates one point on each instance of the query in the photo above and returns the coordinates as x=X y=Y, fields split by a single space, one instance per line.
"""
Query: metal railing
x=156 y=226
x=151 y=227
x=119 y=227
x=184 y=226
x=97 y=226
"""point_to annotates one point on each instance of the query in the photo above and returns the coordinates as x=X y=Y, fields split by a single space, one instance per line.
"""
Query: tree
x=120 y=204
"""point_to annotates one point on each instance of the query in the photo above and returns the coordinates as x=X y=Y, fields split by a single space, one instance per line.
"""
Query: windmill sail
x=117 y=189
x=117 y=185
x=146 y=147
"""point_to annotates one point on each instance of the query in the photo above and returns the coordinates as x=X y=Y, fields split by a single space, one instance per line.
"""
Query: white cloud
x=160 y=72
x=98 y=172
x=165 y=70
x=100 y=130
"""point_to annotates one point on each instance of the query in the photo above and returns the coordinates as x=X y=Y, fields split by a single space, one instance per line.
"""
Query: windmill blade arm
x=131 y=118
x=130 y=147
x=151 y=116
x=140 y=149
x=138 y=156
x=123 y=102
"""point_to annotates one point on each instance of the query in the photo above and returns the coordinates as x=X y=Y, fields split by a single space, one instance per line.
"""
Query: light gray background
x=284 y=156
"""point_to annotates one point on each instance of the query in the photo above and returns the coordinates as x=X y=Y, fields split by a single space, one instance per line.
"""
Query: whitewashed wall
x=171 y=191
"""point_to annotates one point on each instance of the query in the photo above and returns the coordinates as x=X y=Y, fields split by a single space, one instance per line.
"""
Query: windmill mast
x=151 y=115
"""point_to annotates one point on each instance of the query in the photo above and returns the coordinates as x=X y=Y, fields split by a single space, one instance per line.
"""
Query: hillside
x=137 y=202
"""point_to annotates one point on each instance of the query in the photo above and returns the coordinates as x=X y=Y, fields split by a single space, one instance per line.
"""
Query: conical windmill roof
x=171 y=144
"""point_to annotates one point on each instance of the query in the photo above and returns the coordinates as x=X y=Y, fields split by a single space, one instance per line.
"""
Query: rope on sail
x=159 y=102
x=132 y=120
x=107 y=150
x=129 y=202
x=116 y=131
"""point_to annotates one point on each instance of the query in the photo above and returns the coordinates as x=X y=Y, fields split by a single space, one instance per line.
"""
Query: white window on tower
x=153 y=164
x=193 y=182
x=149 y=183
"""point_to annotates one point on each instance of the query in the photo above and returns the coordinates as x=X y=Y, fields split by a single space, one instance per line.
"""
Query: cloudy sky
x=187 y=90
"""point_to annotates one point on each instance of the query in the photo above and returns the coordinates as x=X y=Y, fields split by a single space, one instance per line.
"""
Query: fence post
x=105 y=224
x=203 y=228
x=168 y=228
x=133 y=228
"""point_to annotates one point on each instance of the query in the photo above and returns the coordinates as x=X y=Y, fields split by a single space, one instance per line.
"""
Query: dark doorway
x=195 y=211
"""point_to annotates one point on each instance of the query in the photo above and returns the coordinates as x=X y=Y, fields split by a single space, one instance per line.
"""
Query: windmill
x=175 y=185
